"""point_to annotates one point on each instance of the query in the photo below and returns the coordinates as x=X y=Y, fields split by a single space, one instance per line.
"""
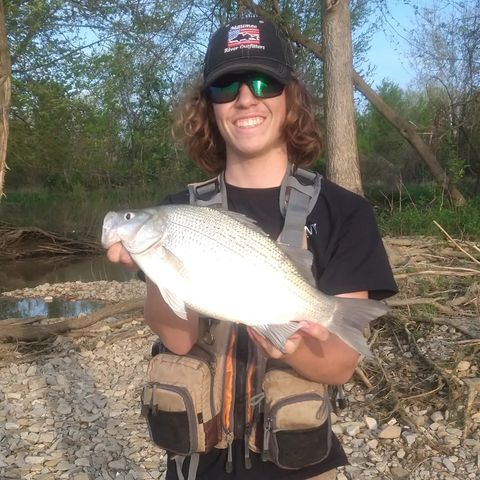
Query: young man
x=251 y=119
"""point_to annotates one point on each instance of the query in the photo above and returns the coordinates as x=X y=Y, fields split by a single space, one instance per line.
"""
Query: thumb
x=315 y=330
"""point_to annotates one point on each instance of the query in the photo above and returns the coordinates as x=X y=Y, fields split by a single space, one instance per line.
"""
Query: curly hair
x=195 y=126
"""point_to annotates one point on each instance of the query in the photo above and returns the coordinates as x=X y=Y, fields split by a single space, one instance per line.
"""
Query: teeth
x=249 y=122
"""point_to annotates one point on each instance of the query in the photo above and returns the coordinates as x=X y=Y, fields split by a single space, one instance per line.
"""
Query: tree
x=404 y=127
x=5 y=93
x=385 y=157
x=119 y=63
x=341 y=140
x=447 y=66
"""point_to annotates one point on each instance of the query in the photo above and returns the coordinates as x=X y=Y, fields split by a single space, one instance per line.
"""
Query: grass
x=415 y=210
x=76 y=214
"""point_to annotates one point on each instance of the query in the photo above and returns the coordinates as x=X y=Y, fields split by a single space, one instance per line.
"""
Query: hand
x=293 y=343
x=117 y=253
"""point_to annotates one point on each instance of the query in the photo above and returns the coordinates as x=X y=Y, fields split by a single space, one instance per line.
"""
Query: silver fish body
x=222 y=266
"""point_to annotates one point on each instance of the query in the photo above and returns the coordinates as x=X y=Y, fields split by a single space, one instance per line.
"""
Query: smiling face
x=252 y=127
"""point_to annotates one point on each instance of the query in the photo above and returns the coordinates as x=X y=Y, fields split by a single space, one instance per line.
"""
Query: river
x=28 y=273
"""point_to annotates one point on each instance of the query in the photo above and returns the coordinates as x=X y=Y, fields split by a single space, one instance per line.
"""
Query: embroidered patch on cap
x=243 y=35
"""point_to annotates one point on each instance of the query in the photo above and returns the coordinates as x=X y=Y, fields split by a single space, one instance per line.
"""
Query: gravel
x=70 y=410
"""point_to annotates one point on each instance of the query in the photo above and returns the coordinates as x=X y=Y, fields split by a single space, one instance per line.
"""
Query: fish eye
x=128 y=216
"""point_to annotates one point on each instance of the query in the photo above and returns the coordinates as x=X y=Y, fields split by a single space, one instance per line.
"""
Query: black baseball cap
x=248 y=44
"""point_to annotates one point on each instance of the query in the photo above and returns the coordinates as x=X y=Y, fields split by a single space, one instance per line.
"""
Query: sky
x=389 y=51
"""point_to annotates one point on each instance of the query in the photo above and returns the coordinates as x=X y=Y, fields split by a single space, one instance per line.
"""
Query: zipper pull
x=229 y=464
x=247 y=459
x=266 y=439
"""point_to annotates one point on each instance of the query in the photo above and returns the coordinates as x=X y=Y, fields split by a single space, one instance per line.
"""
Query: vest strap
x=209 y=193
x=298 y=194
x=192 y=466
x=299 y=191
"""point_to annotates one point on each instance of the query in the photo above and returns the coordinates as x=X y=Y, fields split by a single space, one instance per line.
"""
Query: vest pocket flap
x=301 y=412
x=167 y=400
x=192 y=374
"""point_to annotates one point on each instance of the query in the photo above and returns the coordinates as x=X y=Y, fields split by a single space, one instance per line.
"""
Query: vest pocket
x=178 y=404
x=297 y=429
x=170 y=417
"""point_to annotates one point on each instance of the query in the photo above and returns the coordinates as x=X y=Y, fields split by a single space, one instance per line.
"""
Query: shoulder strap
x=209 y=193
x=298 y=194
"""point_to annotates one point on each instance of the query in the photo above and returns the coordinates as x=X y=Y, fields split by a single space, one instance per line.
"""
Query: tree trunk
x=5 y=93
x=341 y=140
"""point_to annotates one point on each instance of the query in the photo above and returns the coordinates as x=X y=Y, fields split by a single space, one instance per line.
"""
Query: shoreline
x=70 y=410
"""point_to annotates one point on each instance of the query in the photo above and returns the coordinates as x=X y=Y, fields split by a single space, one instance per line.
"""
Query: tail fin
x=350 y=318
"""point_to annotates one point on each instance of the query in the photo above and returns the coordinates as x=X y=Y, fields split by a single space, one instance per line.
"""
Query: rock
x=353 y=429
x=64 y=409
x=34 y=460
x=373 y=444
x=409 y=438
x=337 y=429
x=463 y=366
x=390 y=431
x=118 y=464
x=371 y=423
x=449 y=464
x=436 y=417
x=399 y=473
x=81 y=476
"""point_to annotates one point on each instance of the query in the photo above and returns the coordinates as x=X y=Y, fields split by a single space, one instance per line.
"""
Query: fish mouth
x=109 y=234
x=139 y=251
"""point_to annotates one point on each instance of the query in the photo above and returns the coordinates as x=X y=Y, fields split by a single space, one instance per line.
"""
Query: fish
x=222 y=265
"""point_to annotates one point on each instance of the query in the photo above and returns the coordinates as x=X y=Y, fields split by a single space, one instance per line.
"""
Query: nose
x=245 y=96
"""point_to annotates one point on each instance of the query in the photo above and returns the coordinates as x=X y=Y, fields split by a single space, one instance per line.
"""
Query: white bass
x=221 y=265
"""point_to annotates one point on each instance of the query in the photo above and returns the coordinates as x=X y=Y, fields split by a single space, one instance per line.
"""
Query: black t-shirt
x=348 y=256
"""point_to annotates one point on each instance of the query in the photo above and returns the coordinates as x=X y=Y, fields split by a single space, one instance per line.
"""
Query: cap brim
x=279 y=72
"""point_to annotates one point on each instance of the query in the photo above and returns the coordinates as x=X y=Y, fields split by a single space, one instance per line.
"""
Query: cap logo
x=243 y=36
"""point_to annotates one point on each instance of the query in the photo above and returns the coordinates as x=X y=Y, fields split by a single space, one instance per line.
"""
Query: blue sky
x=389 y=51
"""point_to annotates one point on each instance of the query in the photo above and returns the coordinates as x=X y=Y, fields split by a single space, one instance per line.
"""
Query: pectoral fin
x=166 y=270
x=174 y=302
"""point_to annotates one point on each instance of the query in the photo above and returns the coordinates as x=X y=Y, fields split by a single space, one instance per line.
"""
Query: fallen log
x=27 y=332
x=34 y=242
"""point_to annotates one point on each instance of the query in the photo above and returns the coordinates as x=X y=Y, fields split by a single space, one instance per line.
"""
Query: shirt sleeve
x=358 y=260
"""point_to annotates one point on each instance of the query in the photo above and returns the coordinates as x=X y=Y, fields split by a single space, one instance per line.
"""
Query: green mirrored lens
x=263 y=86
x=227 y=87
x=258 y=87
x=223 y=93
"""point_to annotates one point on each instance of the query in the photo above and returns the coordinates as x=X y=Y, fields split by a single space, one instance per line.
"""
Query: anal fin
x=277 y=334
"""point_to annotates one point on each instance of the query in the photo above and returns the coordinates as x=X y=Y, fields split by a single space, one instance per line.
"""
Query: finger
x=114 y=251
x=118 y=254
x=268 y=349
x=315 y=330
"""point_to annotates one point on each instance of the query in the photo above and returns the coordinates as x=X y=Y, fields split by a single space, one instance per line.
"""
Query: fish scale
x=221 y=265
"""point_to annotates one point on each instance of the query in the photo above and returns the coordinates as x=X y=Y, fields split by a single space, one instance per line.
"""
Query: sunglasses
x=227 y=88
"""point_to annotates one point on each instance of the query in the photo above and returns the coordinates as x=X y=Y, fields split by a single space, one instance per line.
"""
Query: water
x=28 y=273
x=37 y=307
